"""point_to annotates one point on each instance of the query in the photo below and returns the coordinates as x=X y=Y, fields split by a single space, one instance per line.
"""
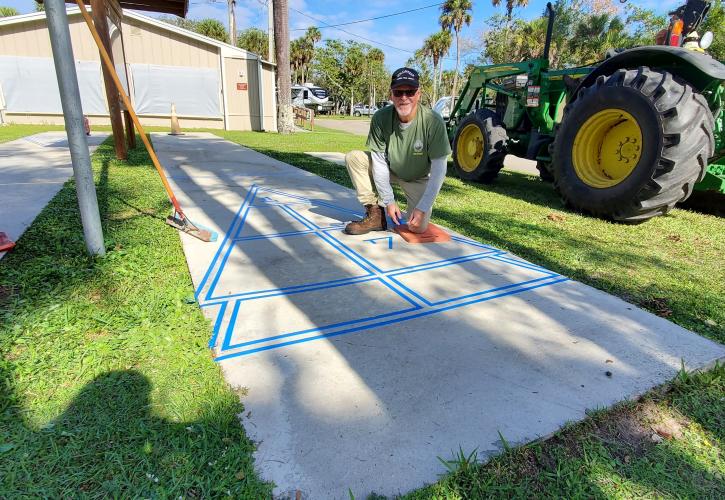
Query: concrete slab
x=511 y=162
x=32 y=171
x=357 y=127
x=366 y=358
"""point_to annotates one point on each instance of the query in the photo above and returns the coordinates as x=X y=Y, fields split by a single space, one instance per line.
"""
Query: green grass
x=670 y=265
x=107 y=387
x=12 y=132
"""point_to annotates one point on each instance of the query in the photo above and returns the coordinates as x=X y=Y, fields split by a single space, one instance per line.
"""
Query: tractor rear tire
x=479 y=146
x=632 y=145
x=544 y=171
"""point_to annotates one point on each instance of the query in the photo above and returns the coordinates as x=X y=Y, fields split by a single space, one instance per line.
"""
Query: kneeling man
x=408 y=146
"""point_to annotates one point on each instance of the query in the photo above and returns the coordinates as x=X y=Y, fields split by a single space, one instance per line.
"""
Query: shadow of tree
x=108 y=442
x=105 y=386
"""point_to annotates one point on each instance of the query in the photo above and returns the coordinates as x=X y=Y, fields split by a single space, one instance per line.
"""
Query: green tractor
x=625 y=140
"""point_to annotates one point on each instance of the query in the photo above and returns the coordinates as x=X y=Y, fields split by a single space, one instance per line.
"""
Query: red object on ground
x=5 y=243
x=433 y=234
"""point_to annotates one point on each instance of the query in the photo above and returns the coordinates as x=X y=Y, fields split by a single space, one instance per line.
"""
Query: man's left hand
x=415 y=222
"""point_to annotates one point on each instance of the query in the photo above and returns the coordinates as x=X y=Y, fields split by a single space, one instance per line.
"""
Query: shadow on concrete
x=460 y=368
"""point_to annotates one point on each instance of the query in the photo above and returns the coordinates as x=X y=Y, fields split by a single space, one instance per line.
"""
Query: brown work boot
x=374 y=220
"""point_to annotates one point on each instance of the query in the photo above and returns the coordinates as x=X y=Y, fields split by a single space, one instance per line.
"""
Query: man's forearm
x=381 y=176
x=438 y=168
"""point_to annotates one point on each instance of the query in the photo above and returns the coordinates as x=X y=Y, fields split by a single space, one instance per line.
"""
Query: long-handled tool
x=179 y=220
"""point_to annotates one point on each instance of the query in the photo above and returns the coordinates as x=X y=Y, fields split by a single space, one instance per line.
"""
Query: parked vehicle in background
x=443 y=107
x=364 y=110
x=312 y=97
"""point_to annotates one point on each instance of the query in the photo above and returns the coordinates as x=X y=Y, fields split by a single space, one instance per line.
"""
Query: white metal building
x=212 y=84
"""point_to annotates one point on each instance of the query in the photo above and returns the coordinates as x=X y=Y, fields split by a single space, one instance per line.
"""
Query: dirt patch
x=131 y=214
x=96 y=334
x=658 y=305
x=629 y=432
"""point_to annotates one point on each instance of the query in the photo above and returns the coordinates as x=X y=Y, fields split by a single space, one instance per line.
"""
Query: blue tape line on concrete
x=491 y=290
x=385 y=323
x=274 y=235
x=472 y=242
x=226 y=346
x=491 y=256
x=226 y=237
x=313 y=202
x=442 y=263
x=307 y=287
x=373 y=266
x=525 y=265
x=214 y=282
x=217 y=323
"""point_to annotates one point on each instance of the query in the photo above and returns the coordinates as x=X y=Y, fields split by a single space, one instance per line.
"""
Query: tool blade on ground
x=195 y=230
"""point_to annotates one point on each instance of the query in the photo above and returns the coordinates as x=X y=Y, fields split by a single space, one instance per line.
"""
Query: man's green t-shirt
x=409 y=151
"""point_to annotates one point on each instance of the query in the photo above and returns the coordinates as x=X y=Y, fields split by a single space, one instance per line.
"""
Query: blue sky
x=397 y=36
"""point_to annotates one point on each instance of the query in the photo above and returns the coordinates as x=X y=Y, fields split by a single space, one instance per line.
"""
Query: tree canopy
x=583 y=31
x=254 y=40
x=8 y=11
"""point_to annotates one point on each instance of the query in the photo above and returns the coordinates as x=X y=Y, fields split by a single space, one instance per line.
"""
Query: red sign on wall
x=242 y=86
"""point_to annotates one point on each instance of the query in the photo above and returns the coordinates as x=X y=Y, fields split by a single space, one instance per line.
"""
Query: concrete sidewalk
x=32 y=171
x=364 y=359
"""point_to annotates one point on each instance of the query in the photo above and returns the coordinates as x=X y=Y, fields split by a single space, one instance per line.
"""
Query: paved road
x=363 y=359
x=32 y=171
x=511 y=162
x=359 y=127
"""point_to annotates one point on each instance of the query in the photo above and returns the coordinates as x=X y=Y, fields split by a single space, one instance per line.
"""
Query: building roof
x=227 y=49
x=175 y=7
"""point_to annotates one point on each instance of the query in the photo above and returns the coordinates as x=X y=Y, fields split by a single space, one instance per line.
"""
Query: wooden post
x=114 y=106
x=130 y=132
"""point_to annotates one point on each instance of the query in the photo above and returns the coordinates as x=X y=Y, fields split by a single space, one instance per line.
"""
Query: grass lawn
x=107 y=387
x=12 y=132
x=668 y=265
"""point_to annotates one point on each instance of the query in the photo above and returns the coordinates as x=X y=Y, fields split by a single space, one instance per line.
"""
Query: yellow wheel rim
x=607 y=148
x=469 y=149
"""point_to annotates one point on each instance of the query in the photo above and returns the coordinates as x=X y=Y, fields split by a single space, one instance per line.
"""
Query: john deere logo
x=418 y=146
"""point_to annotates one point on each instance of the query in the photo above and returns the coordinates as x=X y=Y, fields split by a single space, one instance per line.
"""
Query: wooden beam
x=114 y=106
x=130 y=133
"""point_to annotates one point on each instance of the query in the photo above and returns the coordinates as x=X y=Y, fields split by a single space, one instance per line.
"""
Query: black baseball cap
x=404 y=76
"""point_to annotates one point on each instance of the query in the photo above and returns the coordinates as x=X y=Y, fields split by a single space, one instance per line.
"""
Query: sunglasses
x=401 y=93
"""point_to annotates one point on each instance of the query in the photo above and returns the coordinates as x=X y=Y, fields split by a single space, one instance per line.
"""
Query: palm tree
x=297 y=59
x=375 y=59
x=285 y=122
x=311 y=37
x=436 y=46
x=8 y=11
x=454 y=14
x=510 y=4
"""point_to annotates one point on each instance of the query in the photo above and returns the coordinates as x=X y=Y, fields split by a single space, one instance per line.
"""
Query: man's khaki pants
x=360 y=167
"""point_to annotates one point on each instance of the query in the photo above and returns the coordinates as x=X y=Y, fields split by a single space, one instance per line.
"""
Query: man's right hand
x=394 y=213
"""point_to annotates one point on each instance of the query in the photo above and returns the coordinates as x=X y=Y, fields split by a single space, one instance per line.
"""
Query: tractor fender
x=696 y=68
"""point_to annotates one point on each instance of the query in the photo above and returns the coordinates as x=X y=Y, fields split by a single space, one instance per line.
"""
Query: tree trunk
x=455 y=75
x=285 y=121
x=435 y=83
x=352 y=99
